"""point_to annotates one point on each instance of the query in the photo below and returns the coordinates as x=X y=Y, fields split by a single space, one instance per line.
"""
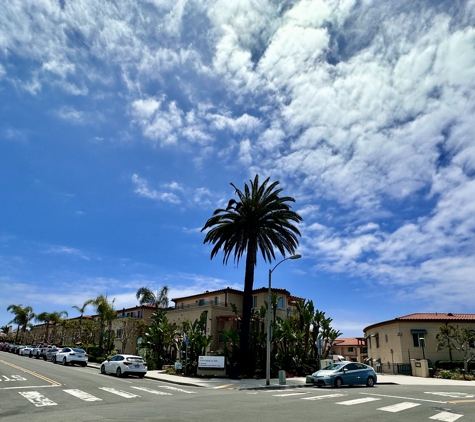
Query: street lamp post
x=297 y=256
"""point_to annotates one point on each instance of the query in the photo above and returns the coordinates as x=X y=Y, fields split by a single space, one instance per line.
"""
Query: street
x=41 y=391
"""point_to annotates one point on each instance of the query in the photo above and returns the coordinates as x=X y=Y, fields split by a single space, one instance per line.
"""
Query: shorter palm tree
x=148 y=297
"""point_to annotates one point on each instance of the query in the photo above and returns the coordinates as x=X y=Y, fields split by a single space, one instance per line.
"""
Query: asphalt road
x=39 y=391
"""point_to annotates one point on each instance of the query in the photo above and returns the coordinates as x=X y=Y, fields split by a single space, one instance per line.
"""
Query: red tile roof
x=438 y=316
x=425 y=316
x=355 y=341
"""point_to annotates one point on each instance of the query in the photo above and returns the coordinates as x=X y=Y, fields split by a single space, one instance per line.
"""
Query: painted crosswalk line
x=446 y=417
x=327 y=396
x=119 y=392
x=288 y=394
x=358 y=401
x=37 y=399
x=82 y=395
x=399 y=407
x=149 y=390
x=176 y=389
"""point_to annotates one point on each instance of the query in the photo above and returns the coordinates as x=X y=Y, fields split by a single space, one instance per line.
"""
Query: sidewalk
x=297 y=382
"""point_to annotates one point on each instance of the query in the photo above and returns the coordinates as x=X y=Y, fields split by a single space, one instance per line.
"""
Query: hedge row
x=453 y=364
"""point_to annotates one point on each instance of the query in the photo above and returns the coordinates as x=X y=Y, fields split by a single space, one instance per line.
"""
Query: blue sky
x=123 y=125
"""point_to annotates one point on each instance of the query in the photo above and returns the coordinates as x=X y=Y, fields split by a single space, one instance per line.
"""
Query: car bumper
x=322 y=381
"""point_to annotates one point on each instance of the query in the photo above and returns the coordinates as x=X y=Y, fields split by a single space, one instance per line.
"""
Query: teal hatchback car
x=345 y=373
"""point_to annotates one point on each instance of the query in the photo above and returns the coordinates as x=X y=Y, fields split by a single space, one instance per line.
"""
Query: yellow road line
x=461 y=401
x=55 y=383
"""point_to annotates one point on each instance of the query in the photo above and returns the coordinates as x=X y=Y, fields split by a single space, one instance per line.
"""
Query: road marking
x=229 y=386
x=446 y=417
x=119 y=392
x=82 y=395
x=38 y=399
x=453 y=395
x=288 y=394
x=13 y=378
x=149 y=390
x=176 y=389
x=404 y=398
x=328 y=396
x=31 y=373
x=358 y=401
x=399 y=407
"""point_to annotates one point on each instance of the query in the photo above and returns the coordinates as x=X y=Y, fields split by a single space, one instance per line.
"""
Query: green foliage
x=198 y=342
x=159 y=337
x=462 y=339
x=456 y=374
x=453 y=364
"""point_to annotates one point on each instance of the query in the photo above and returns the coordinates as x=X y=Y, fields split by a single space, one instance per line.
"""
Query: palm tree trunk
x=247 y=302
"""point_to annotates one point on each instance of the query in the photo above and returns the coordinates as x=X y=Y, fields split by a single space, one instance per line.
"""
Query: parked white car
x=71 y=355
x=121 y=365
x=25 y=350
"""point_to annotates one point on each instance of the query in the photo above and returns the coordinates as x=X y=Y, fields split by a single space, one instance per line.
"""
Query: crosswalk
x=339 y=399
x=39 y=399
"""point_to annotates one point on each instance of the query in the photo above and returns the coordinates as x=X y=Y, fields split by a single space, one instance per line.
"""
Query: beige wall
x=396 y=335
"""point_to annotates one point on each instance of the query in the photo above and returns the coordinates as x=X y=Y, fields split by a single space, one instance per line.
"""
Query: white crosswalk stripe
x=37 y=399
x=119 y=392
x=176 y=389
x=358 y=401
x=446 y=417
x=82 y=395
x=288 y=394
x=149 y=390
x=399 y=407
x=327 y=396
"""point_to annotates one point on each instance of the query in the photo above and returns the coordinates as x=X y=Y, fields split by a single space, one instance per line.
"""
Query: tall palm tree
x=55 y=319
x=104 y=309
x=81 y=310
x=23 y=316
x=50 y=317
x=148 y=297
x=259 y=220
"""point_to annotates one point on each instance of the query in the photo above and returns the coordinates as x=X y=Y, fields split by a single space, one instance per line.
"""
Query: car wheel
x=84 y=364
x=53 y=359
x=118 y=373
x=370 y=382
x=103 y=370
x=64 y=362
x=44 y=358
x=30 y=355
x=338 y=383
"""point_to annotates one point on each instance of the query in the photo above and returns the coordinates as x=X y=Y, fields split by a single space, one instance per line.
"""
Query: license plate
x=137 y=366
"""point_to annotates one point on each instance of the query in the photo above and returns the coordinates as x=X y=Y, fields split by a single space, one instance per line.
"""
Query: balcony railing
x=203 y=302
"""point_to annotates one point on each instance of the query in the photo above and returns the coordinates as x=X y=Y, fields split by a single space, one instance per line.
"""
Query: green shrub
x=453 y=364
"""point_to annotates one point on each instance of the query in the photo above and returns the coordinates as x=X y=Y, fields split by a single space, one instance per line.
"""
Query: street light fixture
x=297 y=256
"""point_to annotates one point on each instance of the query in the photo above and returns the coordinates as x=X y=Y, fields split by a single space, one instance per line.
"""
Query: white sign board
x=215 y=362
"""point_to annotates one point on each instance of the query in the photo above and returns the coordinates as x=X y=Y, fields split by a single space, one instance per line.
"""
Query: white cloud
x=142 y=189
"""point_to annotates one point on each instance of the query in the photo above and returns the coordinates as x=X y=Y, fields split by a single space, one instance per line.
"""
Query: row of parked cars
x=120 y=364
x=64 y=355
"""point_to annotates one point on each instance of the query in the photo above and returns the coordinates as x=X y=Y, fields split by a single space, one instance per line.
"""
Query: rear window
x=135 y=359
x=78 y=350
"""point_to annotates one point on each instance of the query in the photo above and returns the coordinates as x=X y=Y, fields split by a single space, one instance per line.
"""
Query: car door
x=62 y=355
x=349 y=374
x=360 y=373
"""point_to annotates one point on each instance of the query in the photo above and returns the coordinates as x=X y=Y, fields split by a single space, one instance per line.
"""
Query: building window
x=364 y=350
x=216 y=300
x=254 y=302
x=418 y=337
x=386 y=337
x=280 y=304
x=350 y=349
x=201 y=302
x=377 y=340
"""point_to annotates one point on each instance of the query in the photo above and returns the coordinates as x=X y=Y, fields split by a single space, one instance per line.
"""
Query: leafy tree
x=453 y=337
x=260 y=220
x=56 y=318
x=131 y=327
x=198 y=341
x=159 y=337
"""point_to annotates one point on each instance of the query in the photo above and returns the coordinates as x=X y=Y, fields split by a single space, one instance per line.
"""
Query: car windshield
x=77 y=350
x=334 y=366
x=134 y=359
